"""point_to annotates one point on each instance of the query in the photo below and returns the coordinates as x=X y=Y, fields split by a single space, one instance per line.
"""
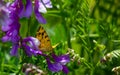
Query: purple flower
x=59 y=63
x=27 y=11
x=10 y=24
x=55 y=67
x=16 y=9
x=40 y=7
x=4 y=16
x=43 y=4
x=30 y=45
x=39 y=17
x=63 y=59
x=14 y=50
x=12 y=34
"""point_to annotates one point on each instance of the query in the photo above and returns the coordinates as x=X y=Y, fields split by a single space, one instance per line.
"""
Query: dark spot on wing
x=39 y=33
x=46 y=36
x=42 y=34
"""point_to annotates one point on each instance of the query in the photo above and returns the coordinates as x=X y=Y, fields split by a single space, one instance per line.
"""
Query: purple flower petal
x=33 y=42
x=14 y=50
x=47 y=3
x=65 y=69
x=20 y=8
x=42 y=8
x=39 y=17
x=12 y=34
x=17 y=7
x=59 y=63
x=27 y=50
x=5 y=38
x=30 y=45
x=54 y=67
x=5 y=26
x=5 y=21
x=63 y=59
x=1 y=3
x=28 y=9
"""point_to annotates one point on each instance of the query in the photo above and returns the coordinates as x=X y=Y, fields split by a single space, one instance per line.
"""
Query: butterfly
x=45 y=43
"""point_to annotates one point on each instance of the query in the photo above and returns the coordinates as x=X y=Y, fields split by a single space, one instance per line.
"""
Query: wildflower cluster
x=11 y=13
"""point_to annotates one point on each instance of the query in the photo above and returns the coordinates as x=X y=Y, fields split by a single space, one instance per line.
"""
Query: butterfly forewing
x=45 y=44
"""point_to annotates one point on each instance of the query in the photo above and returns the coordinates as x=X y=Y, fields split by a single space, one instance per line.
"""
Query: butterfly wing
x=45 y=44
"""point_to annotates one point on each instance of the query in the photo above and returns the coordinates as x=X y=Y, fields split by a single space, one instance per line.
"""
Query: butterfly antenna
x=55 y=45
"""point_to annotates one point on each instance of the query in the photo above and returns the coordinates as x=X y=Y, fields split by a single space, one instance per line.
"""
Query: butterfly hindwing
x=42 y=36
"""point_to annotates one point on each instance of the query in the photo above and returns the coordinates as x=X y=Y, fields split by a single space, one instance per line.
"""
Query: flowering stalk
x=10 y=16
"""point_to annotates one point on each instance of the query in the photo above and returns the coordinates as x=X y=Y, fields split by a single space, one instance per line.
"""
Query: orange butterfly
x=45 y=44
